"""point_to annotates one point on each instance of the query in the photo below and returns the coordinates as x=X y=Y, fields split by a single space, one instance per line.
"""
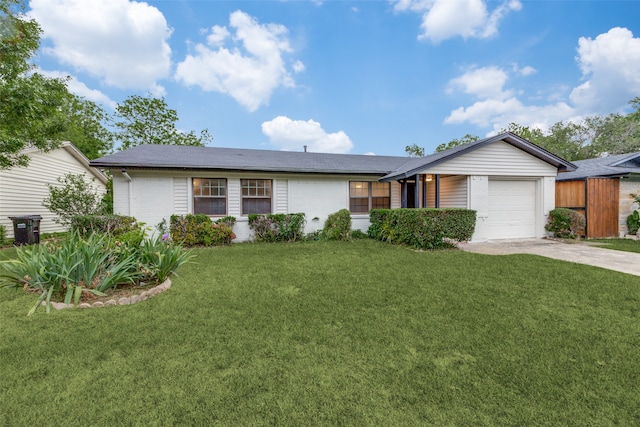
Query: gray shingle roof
x=610 y=166
x=214 y=158
x=387 y=167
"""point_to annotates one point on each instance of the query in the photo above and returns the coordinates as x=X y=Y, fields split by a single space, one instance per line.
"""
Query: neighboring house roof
x=604 y=167
x=389 y=167
x=419 y=164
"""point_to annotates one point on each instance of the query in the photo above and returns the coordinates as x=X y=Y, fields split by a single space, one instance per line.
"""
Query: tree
x=468 y=138
x=592 y=137
x=74 y=196
x=30 y=104
x=149 y=120
x=414 y=151
x=86 y=127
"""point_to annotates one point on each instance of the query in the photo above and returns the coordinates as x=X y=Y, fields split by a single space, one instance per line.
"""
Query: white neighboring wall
x=22 y=190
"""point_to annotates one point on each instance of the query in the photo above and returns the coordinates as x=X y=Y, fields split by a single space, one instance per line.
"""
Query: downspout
x=130 y=184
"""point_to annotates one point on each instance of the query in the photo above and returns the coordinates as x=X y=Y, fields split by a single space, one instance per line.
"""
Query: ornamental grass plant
x=66 y=269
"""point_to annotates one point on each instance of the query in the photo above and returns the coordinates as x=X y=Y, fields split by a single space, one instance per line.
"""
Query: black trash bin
x=26 y=229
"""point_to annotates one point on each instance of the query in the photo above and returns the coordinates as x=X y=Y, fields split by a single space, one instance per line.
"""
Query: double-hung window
x=367 y=195
x=210 y=196
x=256 y=196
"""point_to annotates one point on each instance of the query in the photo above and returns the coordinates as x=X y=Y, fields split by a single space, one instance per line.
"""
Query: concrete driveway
x=579 y=252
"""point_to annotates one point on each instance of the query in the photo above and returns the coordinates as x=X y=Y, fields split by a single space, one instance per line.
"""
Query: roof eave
x=240 y=168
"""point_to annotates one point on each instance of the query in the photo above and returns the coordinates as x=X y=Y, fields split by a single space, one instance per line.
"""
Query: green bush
x=359 y=234
x=565 y=223
x=114 y=225
x=633 y=222
x=3 y=235
x=338 y=226
x=193 y=230
x=277 y=227
x=73 y=196
x=65 y=270
x=422 y=228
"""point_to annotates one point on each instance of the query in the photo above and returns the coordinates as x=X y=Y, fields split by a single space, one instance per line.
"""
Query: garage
x=512 y=209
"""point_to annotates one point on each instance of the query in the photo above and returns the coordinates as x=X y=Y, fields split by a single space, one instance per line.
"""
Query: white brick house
x=506 y=179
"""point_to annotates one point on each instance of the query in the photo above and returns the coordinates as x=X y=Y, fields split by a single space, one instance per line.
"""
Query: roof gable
x=422 y=163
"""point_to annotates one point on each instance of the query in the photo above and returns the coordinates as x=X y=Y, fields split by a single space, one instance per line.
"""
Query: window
x=210 y=196
x=365 y=195
x=256 y=196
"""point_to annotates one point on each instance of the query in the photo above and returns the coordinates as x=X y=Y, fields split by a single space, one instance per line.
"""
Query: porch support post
x=424 y=191
x=403 y=203
x=416 y=192
x=437 y=181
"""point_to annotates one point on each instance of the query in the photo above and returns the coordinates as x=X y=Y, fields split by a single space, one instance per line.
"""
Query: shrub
x=633 y=222
x=114 y=225
x=192 y=230
x=422 y=228
x=565 y=223
x=76 y=265
x=359 y=234
x=73 y=196
x=338 y=226
x=3 y=235
x=277 y=227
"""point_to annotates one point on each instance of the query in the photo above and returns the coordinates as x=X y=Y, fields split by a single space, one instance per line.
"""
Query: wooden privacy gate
x=597 y=198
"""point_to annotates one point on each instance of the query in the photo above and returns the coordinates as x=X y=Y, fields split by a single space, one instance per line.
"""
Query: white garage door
x=512 y=209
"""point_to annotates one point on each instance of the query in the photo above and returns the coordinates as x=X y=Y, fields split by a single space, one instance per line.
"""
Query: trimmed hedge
x=115 y=225
x=195 y=230
x=422 y=228
x=277 y=227
x=565 y=223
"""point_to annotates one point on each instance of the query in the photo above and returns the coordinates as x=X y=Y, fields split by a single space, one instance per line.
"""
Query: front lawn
x=628 y=245
x=333 y=333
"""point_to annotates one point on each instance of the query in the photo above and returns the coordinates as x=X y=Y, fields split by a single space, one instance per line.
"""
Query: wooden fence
x=597 y=198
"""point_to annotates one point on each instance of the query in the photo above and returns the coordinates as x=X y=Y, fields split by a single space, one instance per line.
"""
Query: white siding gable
x=497 y=159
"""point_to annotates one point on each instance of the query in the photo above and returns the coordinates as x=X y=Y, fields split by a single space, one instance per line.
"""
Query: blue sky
x=360 y=77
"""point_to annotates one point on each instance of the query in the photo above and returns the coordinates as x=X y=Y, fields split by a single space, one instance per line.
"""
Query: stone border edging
x=134 y=299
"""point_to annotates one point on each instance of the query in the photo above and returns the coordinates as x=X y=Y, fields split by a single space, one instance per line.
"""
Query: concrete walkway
x=579 y=252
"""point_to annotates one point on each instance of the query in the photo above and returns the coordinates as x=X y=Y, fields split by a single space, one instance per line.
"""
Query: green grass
x=330 y=333
x=627 y=245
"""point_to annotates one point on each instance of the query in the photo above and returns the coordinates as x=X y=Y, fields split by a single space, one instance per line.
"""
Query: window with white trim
x=367 y=195
x=210 y=196
x=256 y=196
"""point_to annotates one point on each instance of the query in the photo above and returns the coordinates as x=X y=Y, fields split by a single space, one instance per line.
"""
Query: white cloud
x=293 y=135
x=250 y=70
x=445 y=19
x=496 y=114
x=121 y=42
x=524 y=71
x=485 y=82
x=610 y=66
x=80 y=89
